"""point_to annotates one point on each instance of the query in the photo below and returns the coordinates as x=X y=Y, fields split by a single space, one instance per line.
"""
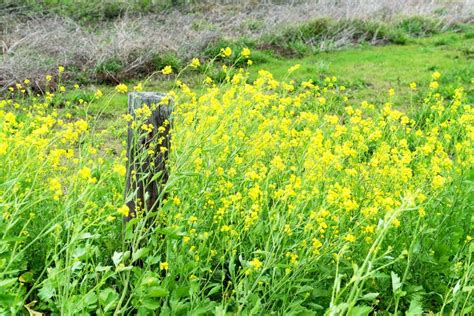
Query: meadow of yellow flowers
x=283 y=197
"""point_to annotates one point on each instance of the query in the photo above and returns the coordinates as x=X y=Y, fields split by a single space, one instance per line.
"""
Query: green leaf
x=173 y=233
x=100 y=268
x=157 y=291
x=181 y=292
x=140 y=253
x=117 y=257
x=179 y=307
x=457 y=287
x=416 y=308
x=46 y=292
x=215 y=289
x=257 y=308
x=396 y=283
x=129 y=229
x=150 y=304
x=26 y=277
x=7 y=282
x=315 y=306
x=304 y=289
x=108 y=298
x=90 y=298
x=79 y=252
x=360 y=310
x=85 y=236
x=369 y=296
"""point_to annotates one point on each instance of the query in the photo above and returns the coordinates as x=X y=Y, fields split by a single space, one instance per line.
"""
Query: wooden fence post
x=148 y=144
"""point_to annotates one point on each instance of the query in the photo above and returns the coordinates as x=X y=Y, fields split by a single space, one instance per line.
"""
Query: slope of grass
x=369 y=71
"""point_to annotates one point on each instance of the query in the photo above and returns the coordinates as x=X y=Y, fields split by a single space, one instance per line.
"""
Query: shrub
x=324 y=34
x=213 y=50
x=420 y=26
x=161 y=60
x=109 y=70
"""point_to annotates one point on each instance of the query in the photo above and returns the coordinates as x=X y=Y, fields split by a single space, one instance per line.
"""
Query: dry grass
x=34 y=46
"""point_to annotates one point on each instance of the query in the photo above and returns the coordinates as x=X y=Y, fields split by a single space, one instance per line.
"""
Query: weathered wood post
x=148 y=144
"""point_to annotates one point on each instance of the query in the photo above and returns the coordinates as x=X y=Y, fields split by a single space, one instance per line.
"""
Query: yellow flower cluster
x=267 y=178
x=306 y=162
x=167 y=70
x=48 y=151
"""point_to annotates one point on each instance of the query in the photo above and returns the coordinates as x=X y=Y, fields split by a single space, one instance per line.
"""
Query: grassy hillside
x=368 y=71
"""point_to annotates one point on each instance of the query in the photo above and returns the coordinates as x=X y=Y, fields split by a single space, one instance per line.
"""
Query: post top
x=137 y=99
x=146 y=95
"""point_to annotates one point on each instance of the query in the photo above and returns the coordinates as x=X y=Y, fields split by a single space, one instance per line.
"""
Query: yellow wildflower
x=86 y=174
x=438 y=182
x=138 y=87
x=195 y=63
x=164 y=266
x=434 y=85
x=350 y=238
x=294 y=68
x=256 y=263
x=226 y=52
x=119 y=169
x=396 y=222
x=245 y=52
x=121 y=88
x=168 y=70
x=123 y=210
x=3 y=148
x=278 y=163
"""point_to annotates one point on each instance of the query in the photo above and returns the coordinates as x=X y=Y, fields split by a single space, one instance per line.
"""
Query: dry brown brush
x=129 y=45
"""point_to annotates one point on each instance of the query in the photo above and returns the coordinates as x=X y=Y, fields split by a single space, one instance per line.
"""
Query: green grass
x=367 y=70
x=372 y=70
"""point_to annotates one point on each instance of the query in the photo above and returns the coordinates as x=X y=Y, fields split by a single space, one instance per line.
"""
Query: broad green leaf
x=108 y=298
x=90 y=298
x=360 y=310
x=157 y=291
x=8 y=282
x=46 y=292
x=117 y=257
x=396 y=283
x=140 y=253
x=370 y=296
x=215 y=289
x=416 y=308
x=181 y=292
